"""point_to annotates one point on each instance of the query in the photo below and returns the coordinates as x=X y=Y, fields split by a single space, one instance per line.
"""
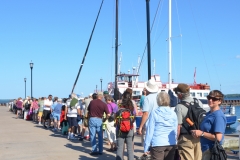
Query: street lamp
x=25 y=79
x=101 y=84
x=31 y=66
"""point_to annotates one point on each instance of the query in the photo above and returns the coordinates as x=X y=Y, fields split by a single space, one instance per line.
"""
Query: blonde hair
x=163 y=99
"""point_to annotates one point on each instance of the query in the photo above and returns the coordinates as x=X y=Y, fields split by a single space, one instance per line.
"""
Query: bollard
x=238 y=129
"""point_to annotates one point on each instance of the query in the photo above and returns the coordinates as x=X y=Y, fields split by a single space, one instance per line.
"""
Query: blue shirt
x=162 y=128
x=150 y=103
x=213 y=122
x=57 y=108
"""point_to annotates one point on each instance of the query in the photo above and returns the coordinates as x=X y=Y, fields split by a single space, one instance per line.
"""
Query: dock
x=25 y=140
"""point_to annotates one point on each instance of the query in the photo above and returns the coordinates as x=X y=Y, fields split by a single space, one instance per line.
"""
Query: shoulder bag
x=218 y=153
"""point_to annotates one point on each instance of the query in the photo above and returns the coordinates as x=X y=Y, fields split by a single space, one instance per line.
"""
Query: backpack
x=27 y=105
x=124 y=120
x=195 y=114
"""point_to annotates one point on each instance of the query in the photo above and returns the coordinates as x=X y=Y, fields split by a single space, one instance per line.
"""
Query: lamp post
x=31 y=67
x=101 y=84
x=25 y=79
x=96 y=88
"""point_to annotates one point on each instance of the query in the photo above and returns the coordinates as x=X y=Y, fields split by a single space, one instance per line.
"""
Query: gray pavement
x=24 y=140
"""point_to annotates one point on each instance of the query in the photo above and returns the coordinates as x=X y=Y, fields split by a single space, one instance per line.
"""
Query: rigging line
x=89 y=41
x=135 y=19
x=200 y=42
x=157 y=27
x=150 y=32
x=180 y=30
x=112 y=58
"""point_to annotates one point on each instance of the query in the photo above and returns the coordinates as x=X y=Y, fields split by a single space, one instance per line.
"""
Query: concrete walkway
x=24 y=140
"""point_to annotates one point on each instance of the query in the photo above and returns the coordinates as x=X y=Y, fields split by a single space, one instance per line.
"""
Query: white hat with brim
x=151 y=86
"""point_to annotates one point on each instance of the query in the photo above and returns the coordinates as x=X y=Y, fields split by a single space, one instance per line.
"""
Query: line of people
x=161 y=126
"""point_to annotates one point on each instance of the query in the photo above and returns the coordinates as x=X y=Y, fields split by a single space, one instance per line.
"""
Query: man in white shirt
x=47 y=110
x=71 y=111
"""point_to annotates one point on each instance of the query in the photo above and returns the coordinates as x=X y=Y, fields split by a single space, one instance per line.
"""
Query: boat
x=130 y=80
x=229 y=112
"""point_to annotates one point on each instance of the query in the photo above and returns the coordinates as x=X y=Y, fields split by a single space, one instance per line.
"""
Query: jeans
x=95 y=126
x=163 y=152
x=121 y=139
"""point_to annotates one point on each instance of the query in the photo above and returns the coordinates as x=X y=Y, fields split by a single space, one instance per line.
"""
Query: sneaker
x=73 y=138
x=45 y=127
x=68 y=137
x=54 y=129
x=39 y=123
x=94 y=153
x=81 y=139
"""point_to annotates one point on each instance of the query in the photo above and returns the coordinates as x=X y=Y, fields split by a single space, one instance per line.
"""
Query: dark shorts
x=46 y=114
x=19 y=109
x=72 y=121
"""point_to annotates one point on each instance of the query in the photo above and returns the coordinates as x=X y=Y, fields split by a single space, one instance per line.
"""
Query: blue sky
x=54 y=35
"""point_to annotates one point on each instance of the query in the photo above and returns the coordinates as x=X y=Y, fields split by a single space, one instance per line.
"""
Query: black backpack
x=195 y=113
x=27 y=105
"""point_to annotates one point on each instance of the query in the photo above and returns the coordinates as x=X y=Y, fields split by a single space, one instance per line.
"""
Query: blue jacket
x=162 y=128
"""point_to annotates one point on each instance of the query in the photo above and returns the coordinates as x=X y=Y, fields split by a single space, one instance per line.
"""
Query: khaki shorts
x=40 y=114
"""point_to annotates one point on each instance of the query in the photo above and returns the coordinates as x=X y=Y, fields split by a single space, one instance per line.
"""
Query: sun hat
x=100 y=93
x=151 y=86
x=182 y=88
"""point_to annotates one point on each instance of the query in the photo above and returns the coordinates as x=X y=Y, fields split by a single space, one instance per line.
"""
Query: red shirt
x=97 y=107
x=62 y=116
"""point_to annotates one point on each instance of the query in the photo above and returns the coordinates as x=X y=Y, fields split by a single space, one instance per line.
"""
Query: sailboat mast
x=116 y=53
x=170 y=43
x=148 y=39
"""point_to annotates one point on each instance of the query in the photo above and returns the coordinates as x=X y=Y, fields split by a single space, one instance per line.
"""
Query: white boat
x=130 y=80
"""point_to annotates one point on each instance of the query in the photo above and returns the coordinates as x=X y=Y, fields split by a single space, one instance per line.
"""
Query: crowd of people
x=163 y=133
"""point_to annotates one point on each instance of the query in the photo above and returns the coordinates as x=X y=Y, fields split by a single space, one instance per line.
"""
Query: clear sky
x=54 y=35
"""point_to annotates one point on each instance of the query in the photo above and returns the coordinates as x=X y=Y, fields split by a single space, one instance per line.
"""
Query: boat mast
x=148 y=39
x=170 y=43
x=116 y=54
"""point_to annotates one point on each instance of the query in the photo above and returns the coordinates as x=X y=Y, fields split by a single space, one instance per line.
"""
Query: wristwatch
x=202 y=134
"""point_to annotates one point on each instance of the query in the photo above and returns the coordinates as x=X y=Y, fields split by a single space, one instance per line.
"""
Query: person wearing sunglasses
x=213 y=125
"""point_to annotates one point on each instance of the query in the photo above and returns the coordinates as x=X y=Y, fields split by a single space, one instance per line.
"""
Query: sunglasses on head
x=213 y=98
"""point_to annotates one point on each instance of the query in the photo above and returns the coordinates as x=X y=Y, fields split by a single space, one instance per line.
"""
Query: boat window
x=137 y=93
x=199 y=94
x=205 y=94
x=193 y=94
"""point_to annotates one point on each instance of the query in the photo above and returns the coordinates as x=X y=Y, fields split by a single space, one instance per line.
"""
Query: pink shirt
x=19 y=104
x=35 y=105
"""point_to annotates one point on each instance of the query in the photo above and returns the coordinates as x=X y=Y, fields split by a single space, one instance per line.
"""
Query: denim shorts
x=72 y=121
x=56 y=117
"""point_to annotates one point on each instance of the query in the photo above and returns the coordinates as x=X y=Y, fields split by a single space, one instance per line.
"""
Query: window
x=199 y=94
x=193 y=94
x=205 y=94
